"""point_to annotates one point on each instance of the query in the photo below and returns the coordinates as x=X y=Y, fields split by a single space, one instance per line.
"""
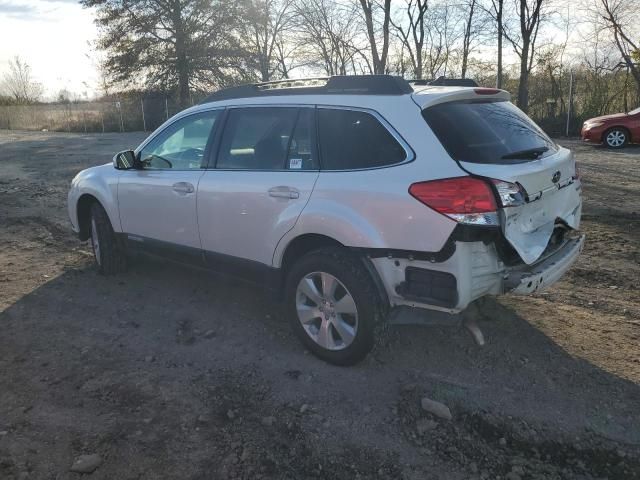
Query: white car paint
x=100 y=182
x=239 y=217
x=529 y=227
x=156 y=204
x=346 y=208
x=231 y=212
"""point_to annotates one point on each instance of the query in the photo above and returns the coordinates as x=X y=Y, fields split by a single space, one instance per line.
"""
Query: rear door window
x=302 y=151
x=488 y=132
x=351 y=139
x=257 y=138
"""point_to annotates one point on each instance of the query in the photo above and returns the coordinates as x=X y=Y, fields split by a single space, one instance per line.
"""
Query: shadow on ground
x=174 y=373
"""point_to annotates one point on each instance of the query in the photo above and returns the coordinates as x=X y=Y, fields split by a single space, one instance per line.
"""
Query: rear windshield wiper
x=532 y=153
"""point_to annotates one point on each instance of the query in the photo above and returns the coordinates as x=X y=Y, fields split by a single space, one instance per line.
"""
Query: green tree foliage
x=171 y=44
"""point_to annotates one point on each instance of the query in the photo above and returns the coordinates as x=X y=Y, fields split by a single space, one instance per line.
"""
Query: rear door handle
x=284 y=192
x=183 y=188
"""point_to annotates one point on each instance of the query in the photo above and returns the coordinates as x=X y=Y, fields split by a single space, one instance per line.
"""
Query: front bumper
x=527 y=279
x=592 y=134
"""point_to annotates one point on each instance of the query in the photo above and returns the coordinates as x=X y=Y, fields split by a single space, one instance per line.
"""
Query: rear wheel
x=616 y=138
x=107 y=250
x=333 y=305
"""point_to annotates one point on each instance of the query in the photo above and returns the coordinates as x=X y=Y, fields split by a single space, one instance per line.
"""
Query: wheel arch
x=303 y=244
x=308 y=242
x=84 y=214
x=95 y=184
x=616 y=127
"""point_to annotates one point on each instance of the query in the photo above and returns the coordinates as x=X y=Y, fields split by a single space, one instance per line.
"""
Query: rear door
x=266 y=167
x=494 y=139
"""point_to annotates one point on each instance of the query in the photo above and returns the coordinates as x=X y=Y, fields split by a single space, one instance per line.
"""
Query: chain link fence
x=558 y=104
x=127 y=114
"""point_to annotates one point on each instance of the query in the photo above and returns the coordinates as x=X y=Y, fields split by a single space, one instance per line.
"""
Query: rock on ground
x=86 y=463
x=438 y=409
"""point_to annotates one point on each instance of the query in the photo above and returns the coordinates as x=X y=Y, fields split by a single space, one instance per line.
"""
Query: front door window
x=181 y=145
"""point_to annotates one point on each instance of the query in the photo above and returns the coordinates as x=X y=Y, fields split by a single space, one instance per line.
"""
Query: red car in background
x=615 y=131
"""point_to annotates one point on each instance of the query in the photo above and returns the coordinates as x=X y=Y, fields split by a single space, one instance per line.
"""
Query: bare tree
x=328 y=36
x=370 y=10
x=468 y=36
x=498 y=7
x=410 y=29
x=443 y=32
x=620 y=18
x=265 y=26
x=19 y=83
x=529 y=14
x=286 y=56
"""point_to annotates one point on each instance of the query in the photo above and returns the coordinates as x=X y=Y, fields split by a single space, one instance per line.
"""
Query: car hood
x=604 y=118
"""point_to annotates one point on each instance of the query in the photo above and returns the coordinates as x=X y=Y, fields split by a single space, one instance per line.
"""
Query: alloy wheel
x=327 y=311
x=616 y=138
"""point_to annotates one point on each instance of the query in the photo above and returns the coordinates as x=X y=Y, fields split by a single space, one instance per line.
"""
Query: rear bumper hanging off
x=527 y=279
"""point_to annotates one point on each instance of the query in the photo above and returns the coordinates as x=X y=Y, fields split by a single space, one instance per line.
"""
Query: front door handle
x=284 y=192
x=183 y=188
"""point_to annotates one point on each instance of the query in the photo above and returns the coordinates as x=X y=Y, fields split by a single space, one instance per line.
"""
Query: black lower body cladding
x=429 y=286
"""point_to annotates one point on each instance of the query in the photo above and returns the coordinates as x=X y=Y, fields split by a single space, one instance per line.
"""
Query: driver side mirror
x=126 y=160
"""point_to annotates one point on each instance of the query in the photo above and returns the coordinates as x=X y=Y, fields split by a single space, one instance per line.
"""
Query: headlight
x=593 y=124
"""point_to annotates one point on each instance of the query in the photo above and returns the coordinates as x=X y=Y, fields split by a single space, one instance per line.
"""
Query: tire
x=107 y=249
x=347 y=337
x=616 y=137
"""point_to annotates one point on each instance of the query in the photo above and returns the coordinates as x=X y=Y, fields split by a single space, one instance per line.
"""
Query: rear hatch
x=489 y=137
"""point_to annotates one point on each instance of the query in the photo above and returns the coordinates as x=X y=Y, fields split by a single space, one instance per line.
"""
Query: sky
x=53 y=37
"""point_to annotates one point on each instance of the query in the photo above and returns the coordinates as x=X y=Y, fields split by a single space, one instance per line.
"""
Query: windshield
x=488 y=132
x=634 y=111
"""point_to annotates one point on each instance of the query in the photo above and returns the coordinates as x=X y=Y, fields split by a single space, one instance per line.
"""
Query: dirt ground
x=167 y=372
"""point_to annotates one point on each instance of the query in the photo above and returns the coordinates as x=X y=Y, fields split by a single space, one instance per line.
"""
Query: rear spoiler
x=429 y=97
x=445 y=82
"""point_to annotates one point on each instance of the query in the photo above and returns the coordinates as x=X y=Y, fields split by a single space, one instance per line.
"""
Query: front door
x=158 y=202
x=265 y=170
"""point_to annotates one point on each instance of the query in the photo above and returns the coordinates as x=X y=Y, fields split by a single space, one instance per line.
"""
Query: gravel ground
x=167 y=372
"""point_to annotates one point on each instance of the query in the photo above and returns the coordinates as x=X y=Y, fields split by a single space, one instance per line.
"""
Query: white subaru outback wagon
x=360 y=198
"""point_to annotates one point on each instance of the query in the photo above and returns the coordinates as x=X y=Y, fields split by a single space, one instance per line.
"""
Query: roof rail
x=445 y=82
x=335 y=85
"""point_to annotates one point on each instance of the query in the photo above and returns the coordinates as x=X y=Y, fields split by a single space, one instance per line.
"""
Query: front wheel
x=107 y=249
x=333 y=305
x=616 y=138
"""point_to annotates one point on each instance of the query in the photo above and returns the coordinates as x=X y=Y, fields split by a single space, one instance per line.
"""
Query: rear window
x=488 y=132
x=351 y=139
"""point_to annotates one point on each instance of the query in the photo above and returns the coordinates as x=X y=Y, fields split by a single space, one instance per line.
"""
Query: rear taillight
x=509 y=194
x=464 y=199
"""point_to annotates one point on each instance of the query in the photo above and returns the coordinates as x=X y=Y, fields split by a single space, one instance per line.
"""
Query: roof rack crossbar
x=335 y=85
x=295 y=83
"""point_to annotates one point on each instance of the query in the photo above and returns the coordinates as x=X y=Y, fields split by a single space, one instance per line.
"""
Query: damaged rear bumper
x=526 y=279
x=473 y=271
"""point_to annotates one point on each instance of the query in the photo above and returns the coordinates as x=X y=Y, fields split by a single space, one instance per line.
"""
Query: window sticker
x=295 y=163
